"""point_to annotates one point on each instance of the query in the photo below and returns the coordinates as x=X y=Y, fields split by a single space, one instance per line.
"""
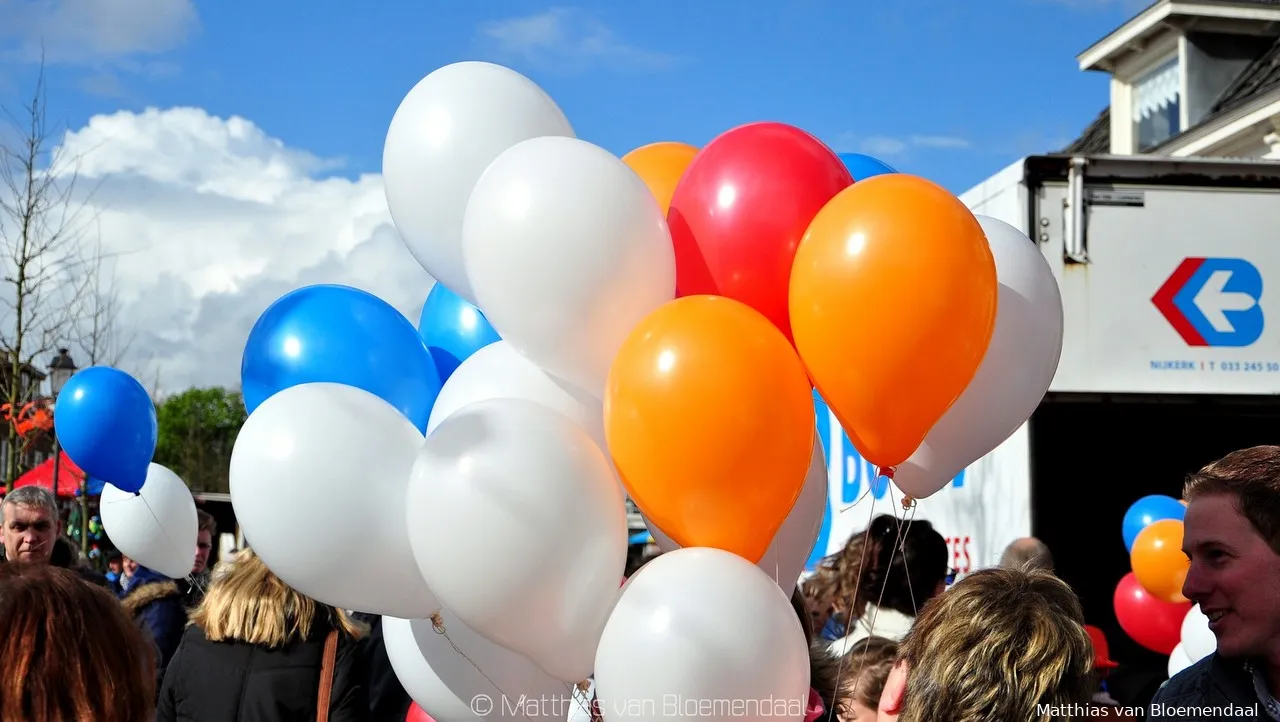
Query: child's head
x=866 y=667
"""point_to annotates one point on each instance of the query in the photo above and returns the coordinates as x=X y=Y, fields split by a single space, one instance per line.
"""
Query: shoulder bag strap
x=326 y=676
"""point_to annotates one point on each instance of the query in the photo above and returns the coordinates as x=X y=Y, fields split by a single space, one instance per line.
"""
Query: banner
x=985 y=507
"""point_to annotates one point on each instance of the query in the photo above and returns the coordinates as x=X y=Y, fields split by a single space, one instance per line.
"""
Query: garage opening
x=1092 y=456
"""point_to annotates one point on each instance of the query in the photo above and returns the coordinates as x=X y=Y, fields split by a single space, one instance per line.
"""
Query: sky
x=230 y=151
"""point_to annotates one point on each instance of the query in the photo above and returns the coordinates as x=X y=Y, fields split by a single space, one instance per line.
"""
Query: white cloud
x=884 y=146
x=564 y=38
x=211 y=219
x=80 y=31
x=938 y=141
x=879 y=145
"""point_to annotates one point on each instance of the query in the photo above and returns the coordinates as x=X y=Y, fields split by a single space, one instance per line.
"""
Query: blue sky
x=949 y=90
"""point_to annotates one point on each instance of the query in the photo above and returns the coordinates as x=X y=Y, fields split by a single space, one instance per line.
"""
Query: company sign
x=1213 y=302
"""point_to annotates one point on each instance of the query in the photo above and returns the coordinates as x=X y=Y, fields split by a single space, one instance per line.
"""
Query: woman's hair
x=251 y=604
x=895 y=564
x=1002 y=644
x=866 y=669
x=69 y=652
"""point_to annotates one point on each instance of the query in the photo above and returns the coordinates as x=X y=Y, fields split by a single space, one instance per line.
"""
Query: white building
x=1190 y=78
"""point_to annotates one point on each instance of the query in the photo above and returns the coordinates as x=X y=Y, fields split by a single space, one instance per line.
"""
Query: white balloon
x=694 y=629
x=157 y=526
x=787 y=554
x=498 y=371
x=1197 y=641
x=1015 y=373
x=520 y=529
x=1178 y=660
x=318 y=479
x=460 y=676
x=567 y=250
x=447 y=130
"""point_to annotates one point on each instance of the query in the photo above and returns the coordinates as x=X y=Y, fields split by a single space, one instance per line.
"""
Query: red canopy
x=69 y=476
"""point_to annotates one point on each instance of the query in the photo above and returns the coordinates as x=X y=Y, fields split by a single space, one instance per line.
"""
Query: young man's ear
x=895 y=690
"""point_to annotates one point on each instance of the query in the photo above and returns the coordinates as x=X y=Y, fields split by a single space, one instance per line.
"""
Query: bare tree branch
x=96 y=311
x=42 y=221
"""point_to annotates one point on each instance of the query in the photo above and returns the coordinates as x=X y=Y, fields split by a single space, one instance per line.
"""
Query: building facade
x=1189 y=79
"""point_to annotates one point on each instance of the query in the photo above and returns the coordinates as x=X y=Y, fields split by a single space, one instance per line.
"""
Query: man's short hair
x=1028 y=553
x=1252 y=477
x=995 y=646
x=206 y=522
x=32 y=496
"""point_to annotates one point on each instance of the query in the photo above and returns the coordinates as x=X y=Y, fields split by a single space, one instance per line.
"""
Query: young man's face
x=1234 y=577
x=204 y=545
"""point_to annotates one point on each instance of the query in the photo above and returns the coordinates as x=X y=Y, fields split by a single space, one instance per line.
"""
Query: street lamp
x=61 y=370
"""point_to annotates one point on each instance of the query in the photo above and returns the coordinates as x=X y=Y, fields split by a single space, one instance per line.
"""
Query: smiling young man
x=1232 y=537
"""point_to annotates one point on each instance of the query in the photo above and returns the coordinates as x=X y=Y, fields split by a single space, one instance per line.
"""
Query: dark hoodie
x=156 y=603
x=388 y=701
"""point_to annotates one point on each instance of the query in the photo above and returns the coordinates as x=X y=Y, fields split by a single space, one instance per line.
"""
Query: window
x=1157 y=105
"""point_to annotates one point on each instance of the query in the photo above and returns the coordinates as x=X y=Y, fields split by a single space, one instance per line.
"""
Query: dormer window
x=1157 y=104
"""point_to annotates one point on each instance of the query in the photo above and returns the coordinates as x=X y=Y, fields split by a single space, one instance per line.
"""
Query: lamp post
x=60 y=371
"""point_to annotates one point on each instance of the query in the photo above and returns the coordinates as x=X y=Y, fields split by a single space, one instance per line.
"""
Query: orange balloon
x=1158 y=561
x=893 y=303
x=708 y=415
x=660 y=165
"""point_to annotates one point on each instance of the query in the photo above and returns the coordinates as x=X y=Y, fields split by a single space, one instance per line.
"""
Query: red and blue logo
x=1213 y=302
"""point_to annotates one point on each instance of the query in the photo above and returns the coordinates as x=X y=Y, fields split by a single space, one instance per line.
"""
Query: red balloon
x=741 y=208
x=417 y=714
x=1148 y=620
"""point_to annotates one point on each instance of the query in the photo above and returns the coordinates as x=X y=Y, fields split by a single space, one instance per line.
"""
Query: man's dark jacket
x=1211 y=689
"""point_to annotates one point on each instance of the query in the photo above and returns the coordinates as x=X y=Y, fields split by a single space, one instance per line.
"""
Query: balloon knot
x=886 y=471
x=437 y=623
x=583 y=686
x=908 y=502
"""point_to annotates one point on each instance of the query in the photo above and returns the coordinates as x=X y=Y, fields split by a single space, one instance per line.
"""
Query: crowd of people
x=893 y=635
x=1011 y=642
x=228 y=644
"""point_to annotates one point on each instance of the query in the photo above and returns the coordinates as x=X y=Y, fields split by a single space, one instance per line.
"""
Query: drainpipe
x=1074 y=217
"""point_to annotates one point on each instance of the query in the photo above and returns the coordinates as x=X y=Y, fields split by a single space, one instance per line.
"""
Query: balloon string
x=908 y=501
x=437 y=625
x=189 y=577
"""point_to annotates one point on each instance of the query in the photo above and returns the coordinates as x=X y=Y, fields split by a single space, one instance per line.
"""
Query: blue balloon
x=862 y=166
x=453 y=329
x=1147 y=511
x=106 y=423
x=339 y=334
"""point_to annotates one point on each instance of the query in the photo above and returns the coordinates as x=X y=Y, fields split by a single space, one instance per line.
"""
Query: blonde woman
x=1002 y=644
x=259 y=651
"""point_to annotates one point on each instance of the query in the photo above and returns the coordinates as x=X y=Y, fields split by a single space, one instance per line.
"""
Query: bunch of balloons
x=106 y=423
x=1148 y=601
x=653 y=326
